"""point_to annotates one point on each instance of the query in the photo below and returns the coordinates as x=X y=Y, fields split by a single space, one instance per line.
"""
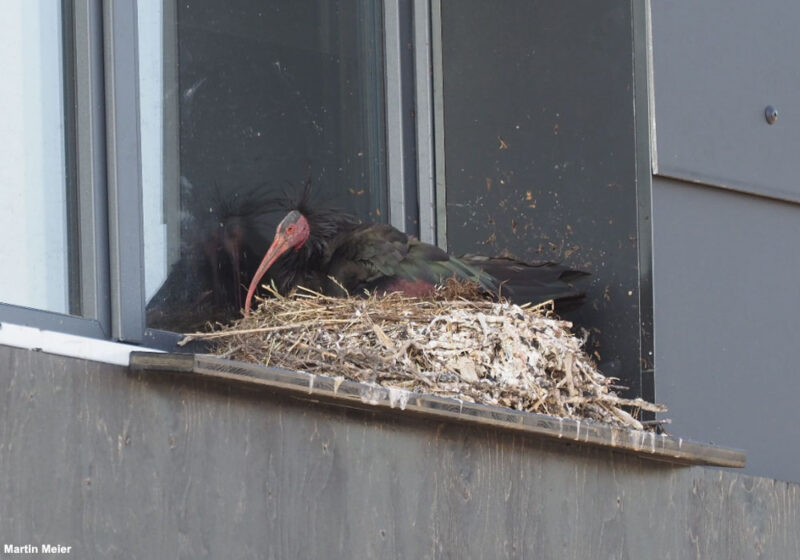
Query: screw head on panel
x=771 y=114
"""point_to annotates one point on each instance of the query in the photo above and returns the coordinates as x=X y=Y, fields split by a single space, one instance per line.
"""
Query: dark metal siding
x=541 y=155
x=727 y=302
x=124 y=467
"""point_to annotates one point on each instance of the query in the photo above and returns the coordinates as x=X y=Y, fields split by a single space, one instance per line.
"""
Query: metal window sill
x=67 y=344
x=341 y=392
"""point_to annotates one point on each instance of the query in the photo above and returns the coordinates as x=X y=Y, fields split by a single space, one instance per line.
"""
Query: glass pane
x=241 y=102
x=34 y=203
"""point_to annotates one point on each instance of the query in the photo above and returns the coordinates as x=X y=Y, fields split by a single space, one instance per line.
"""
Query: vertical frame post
x=423 y=80
x=395 y=146
x=438 y=123
x=69 y=85
x=124 y=170
x=642 y=103
x=90 y=149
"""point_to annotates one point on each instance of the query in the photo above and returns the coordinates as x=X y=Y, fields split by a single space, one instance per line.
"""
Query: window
x=147 y=143
x=238 y=101
x=154 y=140
x=37 y=214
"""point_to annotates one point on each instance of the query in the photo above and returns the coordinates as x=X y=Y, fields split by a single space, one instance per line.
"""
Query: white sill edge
x=63 y=344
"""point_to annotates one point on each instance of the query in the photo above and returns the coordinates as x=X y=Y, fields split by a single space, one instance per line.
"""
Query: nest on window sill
x=455 y=344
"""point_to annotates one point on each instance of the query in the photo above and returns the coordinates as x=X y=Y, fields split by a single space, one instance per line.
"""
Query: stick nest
x=455 y=344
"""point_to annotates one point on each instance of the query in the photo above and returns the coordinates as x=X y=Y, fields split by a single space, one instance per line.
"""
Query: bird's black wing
x=377 y=256
x=526 y=282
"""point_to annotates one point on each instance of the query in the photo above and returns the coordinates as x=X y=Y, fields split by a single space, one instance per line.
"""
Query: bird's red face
x=292 y=233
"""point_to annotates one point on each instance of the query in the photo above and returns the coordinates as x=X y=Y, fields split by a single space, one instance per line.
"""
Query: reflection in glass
x=33 y=205
x=241 y=102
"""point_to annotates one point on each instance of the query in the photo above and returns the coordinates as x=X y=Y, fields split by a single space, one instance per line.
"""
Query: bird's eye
x=290 y=230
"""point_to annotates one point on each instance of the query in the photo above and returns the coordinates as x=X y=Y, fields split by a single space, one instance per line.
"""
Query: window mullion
x=438 y=123
x=90 y=161
x=124 y=170
x=424 y=121
x=395 y=113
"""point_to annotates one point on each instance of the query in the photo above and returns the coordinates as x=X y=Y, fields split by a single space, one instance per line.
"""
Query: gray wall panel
x=727 y=302
x=717 y=64
x=129 y=467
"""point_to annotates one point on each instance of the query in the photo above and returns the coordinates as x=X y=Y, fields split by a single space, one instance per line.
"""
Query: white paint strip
x=71 y=345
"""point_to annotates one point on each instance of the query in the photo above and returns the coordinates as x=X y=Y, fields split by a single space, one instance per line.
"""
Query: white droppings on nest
x=453 y=345
x=371 y=394
x=398 y=397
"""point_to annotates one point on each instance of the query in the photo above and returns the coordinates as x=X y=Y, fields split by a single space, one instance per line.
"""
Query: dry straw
x=454 y=345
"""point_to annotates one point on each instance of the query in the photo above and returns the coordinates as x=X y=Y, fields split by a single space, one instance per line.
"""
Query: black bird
x=331 y=253
x=223 y=236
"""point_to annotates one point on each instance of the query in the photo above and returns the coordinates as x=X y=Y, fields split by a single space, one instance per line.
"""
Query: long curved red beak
x=279 y=246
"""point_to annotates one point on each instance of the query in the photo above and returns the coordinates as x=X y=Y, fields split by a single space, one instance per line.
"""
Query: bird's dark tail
x=523 y=282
